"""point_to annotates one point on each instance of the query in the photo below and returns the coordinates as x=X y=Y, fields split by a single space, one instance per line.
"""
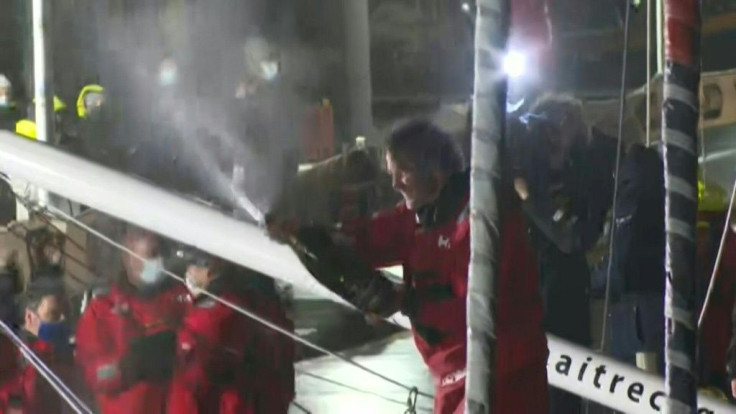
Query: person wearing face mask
x=126 y=336
x=428 y=233
x=46 y=332
x=214 y=368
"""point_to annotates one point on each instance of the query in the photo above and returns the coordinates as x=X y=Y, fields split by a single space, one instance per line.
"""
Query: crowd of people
x=556 y=197
x=148 y=344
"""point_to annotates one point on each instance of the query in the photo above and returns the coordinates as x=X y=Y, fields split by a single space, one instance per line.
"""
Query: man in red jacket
x=47 y=335
x=126 y=337
x=428 y=233
x=214 y=369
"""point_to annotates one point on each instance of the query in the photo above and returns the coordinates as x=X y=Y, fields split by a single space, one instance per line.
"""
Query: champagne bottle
x=339 y=268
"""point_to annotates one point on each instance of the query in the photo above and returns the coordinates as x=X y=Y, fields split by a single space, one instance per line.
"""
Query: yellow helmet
x=26 y=128
x=711 y=198
x=89 y=97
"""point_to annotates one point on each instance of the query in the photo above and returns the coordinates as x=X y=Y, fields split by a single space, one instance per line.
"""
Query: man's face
x=199 y=276
x=416 y=189
x=144 y=246
x=50 y=310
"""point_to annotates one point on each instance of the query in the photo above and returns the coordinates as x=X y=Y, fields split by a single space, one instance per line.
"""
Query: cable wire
x=301 y=407
x=233 y=306
x=648 y=122
x=719 y=256
x=617 y=170
x=239 y=309
x=59 y=386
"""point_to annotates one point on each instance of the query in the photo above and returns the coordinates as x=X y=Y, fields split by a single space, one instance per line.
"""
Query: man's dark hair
x=422 y=146
x=39 y=289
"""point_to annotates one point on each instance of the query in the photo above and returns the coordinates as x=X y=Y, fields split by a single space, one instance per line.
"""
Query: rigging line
x=719 y=256
x=617 y=170
x=352 y=388
x=649 y=75
x=239 y=309
x=59 y=386
x=224 y=302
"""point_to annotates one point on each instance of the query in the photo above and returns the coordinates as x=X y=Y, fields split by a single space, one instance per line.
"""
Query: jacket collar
x=450 y=202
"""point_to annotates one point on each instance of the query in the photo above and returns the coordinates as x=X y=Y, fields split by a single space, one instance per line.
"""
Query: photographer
x=564 y=177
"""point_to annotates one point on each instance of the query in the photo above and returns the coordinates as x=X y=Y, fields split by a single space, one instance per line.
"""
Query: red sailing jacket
x=104 y=333
x=8 y=359
x=274 y=388
x=435 y=256
x=24 y=389
x=214 y=373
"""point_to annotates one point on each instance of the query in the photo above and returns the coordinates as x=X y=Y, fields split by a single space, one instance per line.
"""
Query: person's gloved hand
x=150 y=357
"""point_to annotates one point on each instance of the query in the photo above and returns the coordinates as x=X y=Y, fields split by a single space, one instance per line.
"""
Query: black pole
x=680 y=116
x=489 y=124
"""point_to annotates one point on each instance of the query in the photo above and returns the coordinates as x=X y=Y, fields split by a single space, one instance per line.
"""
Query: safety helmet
x=90 y=98
x=26 y=128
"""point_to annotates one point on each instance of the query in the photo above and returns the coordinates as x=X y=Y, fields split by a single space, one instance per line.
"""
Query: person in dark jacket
x=564 y=177
x=636 y=317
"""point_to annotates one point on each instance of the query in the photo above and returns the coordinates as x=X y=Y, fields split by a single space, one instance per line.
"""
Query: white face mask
x=152 y=272
x=193 y=287
x=168 y=77
x=269 y=70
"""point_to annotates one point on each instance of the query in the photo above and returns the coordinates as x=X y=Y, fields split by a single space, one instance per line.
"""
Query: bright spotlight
x=514 y=64
x=466 y=7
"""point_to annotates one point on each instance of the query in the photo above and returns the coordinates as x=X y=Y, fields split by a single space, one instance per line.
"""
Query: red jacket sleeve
x=40 y=396
x=96 y=353
x=8 y=358
x=211 y=344
x=384 y=239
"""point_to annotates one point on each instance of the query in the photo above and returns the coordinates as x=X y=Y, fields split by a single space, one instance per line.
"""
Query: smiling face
x=417 y=189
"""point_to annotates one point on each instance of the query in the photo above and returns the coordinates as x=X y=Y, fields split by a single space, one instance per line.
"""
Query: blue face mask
x=152 y=272
x=55 y=333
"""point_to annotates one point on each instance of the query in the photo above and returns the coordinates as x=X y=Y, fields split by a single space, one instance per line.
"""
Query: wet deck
x=326 y=385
